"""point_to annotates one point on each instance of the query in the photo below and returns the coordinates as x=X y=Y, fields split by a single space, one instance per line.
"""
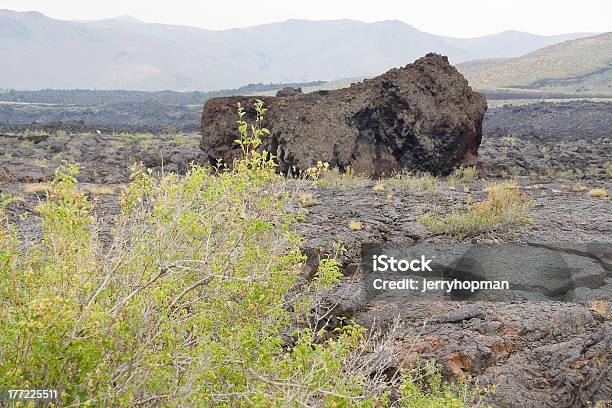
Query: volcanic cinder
x=422 y=117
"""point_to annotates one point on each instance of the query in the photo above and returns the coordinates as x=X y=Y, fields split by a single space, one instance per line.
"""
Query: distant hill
x=509 y=43
x=578 y=66
x=37 y=52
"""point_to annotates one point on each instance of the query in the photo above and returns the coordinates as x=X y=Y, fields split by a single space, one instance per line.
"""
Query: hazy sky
x=460 y=18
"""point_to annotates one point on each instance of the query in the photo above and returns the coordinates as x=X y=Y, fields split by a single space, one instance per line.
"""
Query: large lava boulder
x=422 y=117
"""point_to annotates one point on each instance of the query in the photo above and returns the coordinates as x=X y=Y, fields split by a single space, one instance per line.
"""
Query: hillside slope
x=124 y=53
x=583 y=66
x=510 y=43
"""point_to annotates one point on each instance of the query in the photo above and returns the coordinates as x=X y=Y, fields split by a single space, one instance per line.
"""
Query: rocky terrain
x=547 y=137
x=537 y=354
x=150 y=112
x=103 y=158
x=150 y=116
x=579 y=120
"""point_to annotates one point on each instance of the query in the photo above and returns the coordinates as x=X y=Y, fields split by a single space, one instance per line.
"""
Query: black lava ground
x=538 y=354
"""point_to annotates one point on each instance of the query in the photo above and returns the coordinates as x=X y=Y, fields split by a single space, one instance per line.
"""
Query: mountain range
x=39 y=52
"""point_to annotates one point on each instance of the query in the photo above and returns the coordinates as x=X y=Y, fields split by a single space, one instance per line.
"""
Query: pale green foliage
x=423 y=387
x=504 y=207
x=315 y=172
x=608 y=168
x=184 y=307
x=329 y=272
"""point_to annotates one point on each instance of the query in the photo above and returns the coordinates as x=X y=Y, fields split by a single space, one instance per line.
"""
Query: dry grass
x=334 y=179
x=598 y=193
x=510 y=139
x=100 y=190
x=45 y=187
x=602 y=308
x=41 y=163
x=355 y=225
x=463 y=175
x=306 y=199
x=380 y=186
x=408 y=182
x=389 y=198
x=565 y=174
x=504 y=207
x=36 y=187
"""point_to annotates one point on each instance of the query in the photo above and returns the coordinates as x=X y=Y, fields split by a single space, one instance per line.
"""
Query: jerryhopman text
x=384 y=263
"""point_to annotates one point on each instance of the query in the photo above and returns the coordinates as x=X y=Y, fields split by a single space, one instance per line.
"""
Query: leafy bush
x=424 y=387
x=504 y=207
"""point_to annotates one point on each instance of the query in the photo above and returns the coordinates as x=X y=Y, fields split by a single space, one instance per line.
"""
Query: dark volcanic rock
x=147 y=116
x=567 y=121
x=537 y=354
x=289 y=91
x=421 y=117
x=103 y=158
x=548 y=137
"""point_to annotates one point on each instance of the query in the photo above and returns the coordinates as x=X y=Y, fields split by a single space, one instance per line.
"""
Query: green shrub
x=186 y=305
x=424 y=387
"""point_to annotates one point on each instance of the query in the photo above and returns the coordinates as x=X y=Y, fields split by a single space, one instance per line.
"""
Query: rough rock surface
x=576 y=120
x=102 y=158
x=539 y=354
x=421 y=117
x=547 y=137
x=114 y=116
x=506 y=156
x=536 y=354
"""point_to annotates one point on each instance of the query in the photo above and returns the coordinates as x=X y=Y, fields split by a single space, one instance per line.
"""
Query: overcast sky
x=443 y=17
